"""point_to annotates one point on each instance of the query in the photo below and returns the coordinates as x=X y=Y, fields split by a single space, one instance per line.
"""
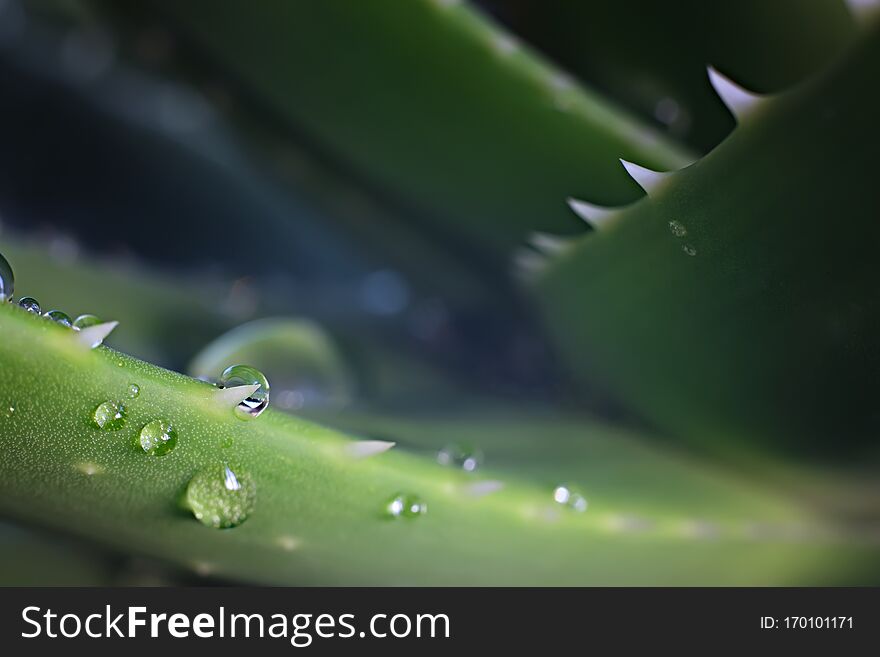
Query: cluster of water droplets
x=405 y=505
x=222 y=496
x=679 y=231
x=570 y=498
x=465 y=457
x=31 y=305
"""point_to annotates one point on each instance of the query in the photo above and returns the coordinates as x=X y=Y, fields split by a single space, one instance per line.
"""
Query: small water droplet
x=158 y=438
x=570 y=498
x=10 y=410
x=133 y=390
x=59 y=316
x=689 y=249
x=244 y=375
x=405 y=505
x=30 y=304
x=460 y=456
x=221 y=496
x=109 y=416
x=677 y=228
x=7 y=280
x=85 y=321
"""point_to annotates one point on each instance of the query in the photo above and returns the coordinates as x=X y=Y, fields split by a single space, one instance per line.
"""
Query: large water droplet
x=460 y=456
x=30 y=304
x=85 y=321
x=221 y=496
x=158 y=437
x=570 y=498
x=109 y=416
x=7 y=280
x=59 y=316
x=405 y=505
x=677 y=228
x=133 y=390
x=244 y=375
x=689 y=249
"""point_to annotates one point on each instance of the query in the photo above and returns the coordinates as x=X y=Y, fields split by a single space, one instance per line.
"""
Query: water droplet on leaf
x=690 y=250
x=460 y=456
x=570 y=498
x=59 y=316
x=133 y=390
x=30 y=304
x=158 y=438
x=677 y=228
x=85 y=321
x=405 y=505
x=244 y=375
x=221 y=496
x=109 y=416
x=7 y=280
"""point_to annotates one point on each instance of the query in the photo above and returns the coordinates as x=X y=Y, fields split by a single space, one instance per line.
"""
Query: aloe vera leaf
x=766 y=46
x=389 y=104
x=318 y=514
x=750 y=323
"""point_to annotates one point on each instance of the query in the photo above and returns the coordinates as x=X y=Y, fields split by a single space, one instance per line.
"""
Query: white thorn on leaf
x=647 y=179
x=365 y=448
x=739 y=101
x=595 y=215
x=549 y=244
x=93 y=336
x=232 y=397
x=482 y=488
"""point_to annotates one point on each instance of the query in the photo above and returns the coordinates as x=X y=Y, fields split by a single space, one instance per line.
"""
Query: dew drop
x=460 y=456
x=85 y=321
x=570 y=498
x=405 y=505
x=244 y=375
x=133 y=390
x=9 y=411
x=59 y=316
x=158 y=438
x=30 y=304
x=7 y=280
x=677 y=228
x=221 y=496
x=109 y=416
x=689 y=249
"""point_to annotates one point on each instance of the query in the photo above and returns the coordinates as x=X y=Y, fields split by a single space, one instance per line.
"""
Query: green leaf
x=318 y=516
x=736 y=305
x=433 y=104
